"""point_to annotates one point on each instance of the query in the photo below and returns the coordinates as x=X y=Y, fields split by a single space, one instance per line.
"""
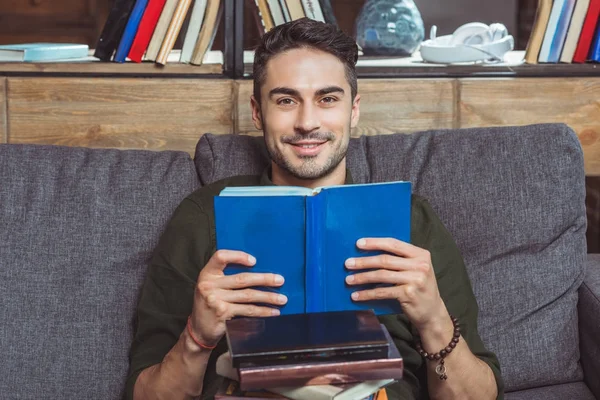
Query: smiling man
x=306 y=102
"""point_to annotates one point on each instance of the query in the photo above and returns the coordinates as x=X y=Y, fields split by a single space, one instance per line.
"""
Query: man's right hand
x=219 y=297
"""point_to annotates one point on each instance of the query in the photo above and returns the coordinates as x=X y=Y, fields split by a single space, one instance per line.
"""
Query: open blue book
x=306 y=235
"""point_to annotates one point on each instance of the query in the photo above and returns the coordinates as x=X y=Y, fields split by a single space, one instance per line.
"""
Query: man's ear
x=256 y=115
x=355 y=112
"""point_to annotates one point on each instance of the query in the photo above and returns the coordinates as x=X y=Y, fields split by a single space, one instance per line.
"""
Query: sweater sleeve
x=428 y=232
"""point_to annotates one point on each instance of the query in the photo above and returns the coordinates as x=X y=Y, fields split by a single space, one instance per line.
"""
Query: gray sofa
x=78 y=226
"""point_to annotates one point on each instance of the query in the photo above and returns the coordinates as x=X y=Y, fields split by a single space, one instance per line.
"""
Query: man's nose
x=308 y=119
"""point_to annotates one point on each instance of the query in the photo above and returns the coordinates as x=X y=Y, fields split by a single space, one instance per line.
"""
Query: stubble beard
x=309 y=169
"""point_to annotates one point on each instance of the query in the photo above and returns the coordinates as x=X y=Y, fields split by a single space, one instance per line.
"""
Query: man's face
x=306 y=113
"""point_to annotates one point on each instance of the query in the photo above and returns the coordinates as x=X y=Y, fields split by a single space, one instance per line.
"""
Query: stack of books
x=565 y=31
x=271 y=13
x=329 y=355
x=146 y=30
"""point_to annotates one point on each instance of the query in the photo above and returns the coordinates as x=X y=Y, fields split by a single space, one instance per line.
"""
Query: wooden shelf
x=93 y=67
x=415 y=67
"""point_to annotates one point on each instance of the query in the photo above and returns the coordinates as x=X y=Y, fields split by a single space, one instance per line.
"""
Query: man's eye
x=328 y=100
x=285 y=102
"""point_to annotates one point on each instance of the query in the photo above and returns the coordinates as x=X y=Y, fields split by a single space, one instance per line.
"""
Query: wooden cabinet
x=161 y=112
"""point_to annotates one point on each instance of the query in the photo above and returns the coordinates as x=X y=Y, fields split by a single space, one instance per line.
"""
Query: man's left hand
x=409 y=269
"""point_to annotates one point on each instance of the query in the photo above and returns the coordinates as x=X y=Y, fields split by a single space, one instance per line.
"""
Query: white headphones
x=471 y=42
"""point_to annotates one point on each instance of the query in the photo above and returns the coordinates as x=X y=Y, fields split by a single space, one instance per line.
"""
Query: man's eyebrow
x=328 y=90
x=284 y=90
x=293 y=92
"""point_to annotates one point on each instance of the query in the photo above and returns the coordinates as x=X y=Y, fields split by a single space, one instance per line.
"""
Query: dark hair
x=305 y=33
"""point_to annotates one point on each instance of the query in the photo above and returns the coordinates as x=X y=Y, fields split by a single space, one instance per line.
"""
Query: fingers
x=389 y=245
x=225 y=311
x=385 y=276
x=385 y=261
x=377 y=294
x=221 y=258
x=249 y=279
x=252 y=296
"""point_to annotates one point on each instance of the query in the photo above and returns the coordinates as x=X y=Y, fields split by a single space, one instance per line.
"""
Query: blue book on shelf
x=306 y=235
x=562 y=28
x=595 y=47
x=32 y=52
x=130 y=30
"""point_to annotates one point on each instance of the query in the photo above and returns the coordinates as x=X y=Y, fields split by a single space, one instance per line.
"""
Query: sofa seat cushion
x=513 y=199
x=77 y=228
x=575 y=391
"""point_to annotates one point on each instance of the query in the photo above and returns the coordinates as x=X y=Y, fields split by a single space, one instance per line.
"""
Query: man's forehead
x=305 y=70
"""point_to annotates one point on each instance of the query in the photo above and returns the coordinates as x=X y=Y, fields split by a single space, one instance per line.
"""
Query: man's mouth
x=308 y=145
x=308 y=148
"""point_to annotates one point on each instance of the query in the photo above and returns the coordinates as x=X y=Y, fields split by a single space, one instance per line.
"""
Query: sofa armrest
x=589 y=323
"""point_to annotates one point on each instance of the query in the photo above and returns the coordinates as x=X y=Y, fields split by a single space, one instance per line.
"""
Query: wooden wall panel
x=405 y=105
x=524 y=101
x=3 y=117
x=156 y=114
x=387 y=106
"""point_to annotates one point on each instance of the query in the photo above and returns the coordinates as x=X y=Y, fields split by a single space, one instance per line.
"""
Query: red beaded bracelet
x=440 y=369
x=199 y=343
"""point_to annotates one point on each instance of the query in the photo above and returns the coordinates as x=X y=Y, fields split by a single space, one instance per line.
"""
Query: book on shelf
x=145 y=30
x=315 y=372
x=130 y=30
x=556 y=31
x=173 y=31
x=586 y=37
x=193 y=30
x=574 y=31
x=160 y=30
x=306 y=235
x=113 y=29
x=563 y=31
x=595 y=48
x=206 y=37
x=538 y=31
x=40 y=52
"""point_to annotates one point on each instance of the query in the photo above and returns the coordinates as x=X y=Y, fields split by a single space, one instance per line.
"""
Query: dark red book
x=587 y=32
x=145 y=30
x=315 y=373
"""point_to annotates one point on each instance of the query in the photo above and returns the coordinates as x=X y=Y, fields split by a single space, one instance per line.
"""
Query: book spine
x=321 y=374
x=595 y=50
x=144 y=33
x=314 y=293
x=212 y=17
x=284 y=9
x=160 y=30
x=130 y=30
x=193 y=31
x=587 y=32
x=173 y=31
x=113 y=29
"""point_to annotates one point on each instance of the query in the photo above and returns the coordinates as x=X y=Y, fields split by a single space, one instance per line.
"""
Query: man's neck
x=281 y=177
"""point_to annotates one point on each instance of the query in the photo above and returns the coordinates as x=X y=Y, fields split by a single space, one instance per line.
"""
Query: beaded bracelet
x=199 y=343
x=440 y=369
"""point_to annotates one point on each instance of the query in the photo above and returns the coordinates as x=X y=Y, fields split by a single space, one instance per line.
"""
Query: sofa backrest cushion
x=77 y=228
x=513 y=198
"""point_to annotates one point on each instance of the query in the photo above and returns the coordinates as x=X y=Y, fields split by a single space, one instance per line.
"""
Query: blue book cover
x=562 y=28
x=32 y=52
x=130 y=30
x=595 y=47
x=306 y=235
